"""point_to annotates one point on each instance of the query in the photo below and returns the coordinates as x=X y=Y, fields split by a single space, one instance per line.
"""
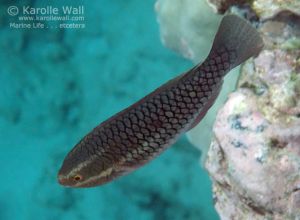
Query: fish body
x=142 y=131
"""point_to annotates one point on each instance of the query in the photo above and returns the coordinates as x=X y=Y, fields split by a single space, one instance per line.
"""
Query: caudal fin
x=238 y=39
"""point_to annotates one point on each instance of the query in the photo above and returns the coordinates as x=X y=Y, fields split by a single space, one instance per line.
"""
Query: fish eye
x=77 y=178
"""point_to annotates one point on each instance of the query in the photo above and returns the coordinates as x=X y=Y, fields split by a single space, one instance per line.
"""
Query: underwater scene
x=150 y=110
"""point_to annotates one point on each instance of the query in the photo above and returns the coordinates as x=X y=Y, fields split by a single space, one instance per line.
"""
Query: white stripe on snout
x=104 y=173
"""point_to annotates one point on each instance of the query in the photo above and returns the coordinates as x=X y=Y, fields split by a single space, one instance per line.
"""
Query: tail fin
x=238 y=38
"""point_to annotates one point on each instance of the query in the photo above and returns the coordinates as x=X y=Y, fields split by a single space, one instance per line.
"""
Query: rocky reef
x=263 y=8
x=254 y=157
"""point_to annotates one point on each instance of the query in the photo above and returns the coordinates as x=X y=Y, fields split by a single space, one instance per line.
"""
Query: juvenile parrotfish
x=139 y=133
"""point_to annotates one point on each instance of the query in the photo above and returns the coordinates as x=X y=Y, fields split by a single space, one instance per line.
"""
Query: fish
x=141 y=132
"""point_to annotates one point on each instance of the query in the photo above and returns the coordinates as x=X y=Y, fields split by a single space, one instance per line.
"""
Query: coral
x=186 y=26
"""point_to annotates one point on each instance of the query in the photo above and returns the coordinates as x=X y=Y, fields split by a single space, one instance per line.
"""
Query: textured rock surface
x=254 y=163
x=254 y=159
x=222 y=6
x=263 y=8
x=269 y=8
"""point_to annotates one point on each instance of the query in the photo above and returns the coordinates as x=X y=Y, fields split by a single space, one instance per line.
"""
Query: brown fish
x=142 y=131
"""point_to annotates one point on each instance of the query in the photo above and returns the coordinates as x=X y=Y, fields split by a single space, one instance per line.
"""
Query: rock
x=267 y=9
x=221 y=6
x=254 y=163
x=264 y=8
x=254 y=159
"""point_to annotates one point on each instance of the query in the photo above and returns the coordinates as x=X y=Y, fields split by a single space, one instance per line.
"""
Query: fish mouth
x=62 y=180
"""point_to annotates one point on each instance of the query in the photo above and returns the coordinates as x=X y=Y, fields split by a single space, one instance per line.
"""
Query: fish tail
x=235 y=41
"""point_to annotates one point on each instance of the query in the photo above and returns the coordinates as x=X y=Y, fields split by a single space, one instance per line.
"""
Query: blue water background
x=56 y=85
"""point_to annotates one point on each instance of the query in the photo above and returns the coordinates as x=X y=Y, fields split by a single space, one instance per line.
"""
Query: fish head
x=81 y=169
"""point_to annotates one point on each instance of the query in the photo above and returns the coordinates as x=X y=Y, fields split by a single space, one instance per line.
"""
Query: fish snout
x=62 y=180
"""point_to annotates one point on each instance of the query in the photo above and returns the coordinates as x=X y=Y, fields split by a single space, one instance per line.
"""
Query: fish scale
x=139 y=133
x=160 y=130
